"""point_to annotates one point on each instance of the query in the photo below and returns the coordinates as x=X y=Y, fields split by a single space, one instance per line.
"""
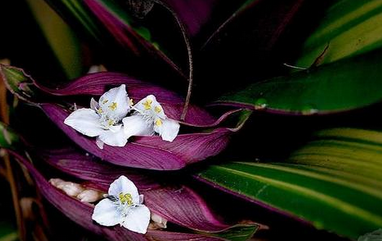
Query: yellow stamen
x=126 y=198
x=158 y=122
x=105 y=101
x=99 y=110
x=113 y=106
x=147 y=104
x=158 y=109
x=131 y=103
x=110 y=122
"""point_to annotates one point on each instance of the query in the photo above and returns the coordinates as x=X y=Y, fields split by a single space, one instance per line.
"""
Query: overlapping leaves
x=332 y=182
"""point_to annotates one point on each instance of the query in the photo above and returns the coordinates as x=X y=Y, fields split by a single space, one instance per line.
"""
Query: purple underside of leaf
x=165 y=236
x=192 y=147
x=125 y=35
x=97 y=84
x=193 y=13
x=191 y=211
x=86 y=167
x=122 y=33
x=147 y=152
x=81 y=213
x=181 y=206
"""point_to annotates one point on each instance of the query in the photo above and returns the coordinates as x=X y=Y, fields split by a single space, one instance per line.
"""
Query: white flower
x=149 y=118
x=102 y=119
x=123 y=205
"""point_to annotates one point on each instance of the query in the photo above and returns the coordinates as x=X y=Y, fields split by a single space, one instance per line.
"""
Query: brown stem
x=3 y=172
x=190 y=58
x=8 y=167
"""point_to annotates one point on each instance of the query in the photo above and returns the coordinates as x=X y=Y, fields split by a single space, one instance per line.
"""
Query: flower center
x=113 y=106
x=125 y=198
x=147 y=104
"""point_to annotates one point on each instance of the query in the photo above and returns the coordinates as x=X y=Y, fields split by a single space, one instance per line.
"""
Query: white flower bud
x=90 y=196
x=158 y=222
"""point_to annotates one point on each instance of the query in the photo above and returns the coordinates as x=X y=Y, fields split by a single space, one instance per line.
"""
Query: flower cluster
x=108 y=119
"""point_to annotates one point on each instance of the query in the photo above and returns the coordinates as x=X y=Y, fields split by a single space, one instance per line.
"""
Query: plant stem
x=190 y=58
x=8 y=166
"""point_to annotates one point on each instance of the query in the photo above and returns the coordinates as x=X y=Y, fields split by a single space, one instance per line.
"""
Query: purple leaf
x=193 y=13
x=147 y=152
x=91 y=169
x=75 y=210
x=81 y=213
x=182 y=206
x=191 y=147
x=165 y=236
x=99 y=83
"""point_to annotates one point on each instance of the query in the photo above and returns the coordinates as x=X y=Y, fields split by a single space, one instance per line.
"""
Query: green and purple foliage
x=272 y=105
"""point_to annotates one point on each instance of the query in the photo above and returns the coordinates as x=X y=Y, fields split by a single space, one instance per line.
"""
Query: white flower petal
x=150 y=107
x=112 y=138
x=125 y=186
x=106 y=213
x=86 y=121
x=158 y=110
x=115 y=103
x=94 y=104
x=167 y=128
x=99 y=143
x=136 y=125
x=145 y=104
x=115 y=128
x=138 y=219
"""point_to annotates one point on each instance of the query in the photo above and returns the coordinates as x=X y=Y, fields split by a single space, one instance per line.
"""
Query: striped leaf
x=348 y=28
x=333 y=182
x=61 y=39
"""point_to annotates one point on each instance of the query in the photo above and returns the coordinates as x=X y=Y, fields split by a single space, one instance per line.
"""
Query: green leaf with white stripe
x=348 y=28
x=334 y=181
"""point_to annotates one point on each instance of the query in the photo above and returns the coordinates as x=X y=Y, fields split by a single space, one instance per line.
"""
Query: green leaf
x=334 y=181
x=78 y=14
x=348 y=28
x=8 y=139
x=343 y=85
x=7 y=231
x=239 y=232
x=19 y=83
x=62 y=41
